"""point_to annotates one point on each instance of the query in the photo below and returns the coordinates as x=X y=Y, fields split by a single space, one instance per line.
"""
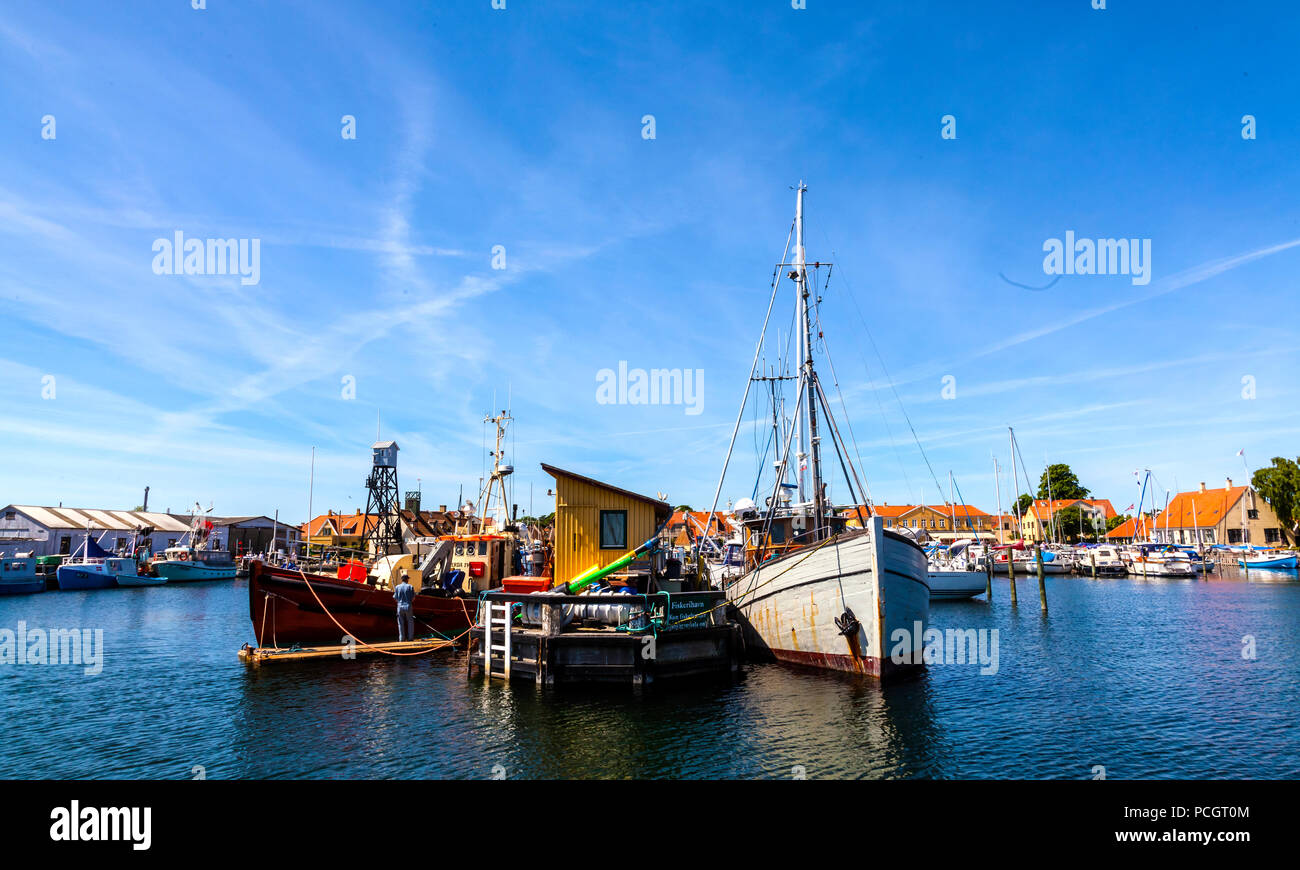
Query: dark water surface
x=1145 y=678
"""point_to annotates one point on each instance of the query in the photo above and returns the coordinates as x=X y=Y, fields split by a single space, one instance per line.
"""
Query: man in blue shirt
x=404 y=594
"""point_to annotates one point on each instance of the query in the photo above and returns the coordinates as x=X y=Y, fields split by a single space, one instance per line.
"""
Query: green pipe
x=582 y=581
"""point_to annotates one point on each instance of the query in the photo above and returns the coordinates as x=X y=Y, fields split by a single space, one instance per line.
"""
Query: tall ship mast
x=820 y=588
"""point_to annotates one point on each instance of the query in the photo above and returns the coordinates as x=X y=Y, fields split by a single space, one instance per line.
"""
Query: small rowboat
x=1269 y=559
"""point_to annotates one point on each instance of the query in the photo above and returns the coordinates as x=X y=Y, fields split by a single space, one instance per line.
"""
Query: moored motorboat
x=195 y=558
x=1158 y=560
x=80 y=576
x=955 y=585
x=18 y=575
x=190 y=564
x=1268 y=559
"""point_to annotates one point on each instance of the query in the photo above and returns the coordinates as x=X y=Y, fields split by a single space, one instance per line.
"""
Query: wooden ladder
x=497 y=615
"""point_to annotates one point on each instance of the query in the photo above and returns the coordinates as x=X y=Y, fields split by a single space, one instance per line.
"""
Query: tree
x=1065 y=483
x=685 y=508
x=1279 y=484
x=1075 y=524
x=1021 y=505
x=1116 y=521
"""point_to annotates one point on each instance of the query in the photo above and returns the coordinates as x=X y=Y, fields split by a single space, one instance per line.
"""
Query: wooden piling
x=1011 y=574
x=1093 y=557
x=988 y=574
x=1042 y=586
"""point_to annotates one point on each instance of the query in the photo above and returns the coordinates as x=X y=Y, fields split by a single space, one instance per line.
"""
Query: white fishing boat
x=814 y=591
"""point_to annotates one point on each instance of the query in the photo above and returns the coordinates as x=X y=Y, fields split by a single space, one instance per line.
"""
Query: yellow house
x=596 y=524
x=337 y=531
x=1036 y=524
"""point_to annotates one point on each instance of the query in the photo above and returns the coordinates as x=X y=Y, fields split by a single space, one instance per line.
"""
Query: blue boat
x=1269 y=559
x=18 y=576
x=89 y=571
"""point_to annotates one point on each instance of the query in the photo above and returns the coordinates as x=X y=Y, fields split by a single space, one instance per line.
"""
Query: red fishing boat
x=284 y=610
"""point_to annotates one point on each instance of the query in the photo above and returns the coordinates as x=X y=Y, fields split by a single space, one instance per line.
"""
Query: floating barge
x=555 y=639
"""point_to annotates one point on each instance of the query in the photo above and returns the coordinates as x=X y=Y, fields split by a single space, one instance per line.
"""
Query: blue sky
x=523 y=128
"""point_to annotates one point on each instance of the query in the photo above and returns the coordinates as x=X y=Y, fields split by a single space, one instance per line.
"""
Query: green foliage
x=1117 y=521
x=1279 y=484
x=1075 y=525
x=1021 y=505
x=684 y=507
x=1065 y=483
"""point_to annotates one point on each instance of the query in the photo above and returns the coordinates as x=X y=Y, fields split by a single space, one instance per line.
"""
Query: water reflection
x=1144 y=676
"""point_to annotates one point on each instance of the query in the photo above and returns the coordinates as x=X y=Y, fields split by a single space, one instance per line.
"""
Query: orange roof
x=699 y=520
x=339 y=524
x=1126 y=529
x=1042 y=508
x=885 y=510
x=899 y=510
x=1198 y=509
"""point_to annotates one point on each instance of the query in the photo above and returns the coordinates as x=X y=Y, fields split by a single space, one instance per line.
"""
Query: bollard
x=1093 y=556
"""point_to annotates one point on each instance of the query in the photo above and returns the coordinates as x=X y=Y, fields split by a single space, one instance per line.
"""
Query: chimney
x=1202 y=486
x=1229 y=486
x=442 y=508
x=358 y=511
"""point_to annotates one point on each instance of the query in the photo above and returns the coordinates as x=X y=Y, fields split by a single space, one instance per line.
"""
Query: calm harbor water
x=1146 y=678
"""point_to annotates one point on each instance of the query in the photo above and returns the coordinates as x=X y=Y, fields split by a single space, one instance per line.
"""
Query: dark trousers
x=405 y=624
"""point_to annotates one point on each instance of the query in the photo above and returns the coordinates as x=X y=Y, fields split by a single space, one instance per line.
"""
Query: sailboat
x=813 y=590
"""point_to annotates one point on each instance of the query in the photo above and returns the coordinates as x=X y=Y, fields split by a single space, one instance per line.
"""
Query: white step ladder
x=497 y=615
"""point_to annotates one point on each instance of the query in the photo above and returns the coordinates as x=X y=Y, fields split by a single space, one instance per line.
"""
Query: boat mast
x=807 y=375
x=1015 y=474
x=952 y=508
x=997 y=484
x=1051 y=502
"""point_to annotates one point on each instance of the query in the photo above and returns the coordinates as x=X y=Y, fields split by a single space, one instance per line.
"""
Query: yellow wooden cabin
x=596 y=524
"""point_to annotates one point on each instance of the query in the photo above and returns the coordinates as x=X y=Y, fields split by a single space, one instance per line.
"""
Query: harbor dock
x=629 y=639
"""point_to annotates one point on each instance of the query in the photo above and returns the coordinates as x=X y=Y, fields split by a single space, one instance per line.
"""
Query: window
x=1272 y=536
x=613 y=530
x=1234 y=536
x=1252 y=514
x=65 y=545
x=778 y=533
x=9 y=515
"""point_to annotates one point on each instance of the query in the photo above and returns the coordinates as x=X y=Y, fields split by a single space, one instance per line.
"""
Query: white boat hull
x=791 y=604
x=953 y=585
